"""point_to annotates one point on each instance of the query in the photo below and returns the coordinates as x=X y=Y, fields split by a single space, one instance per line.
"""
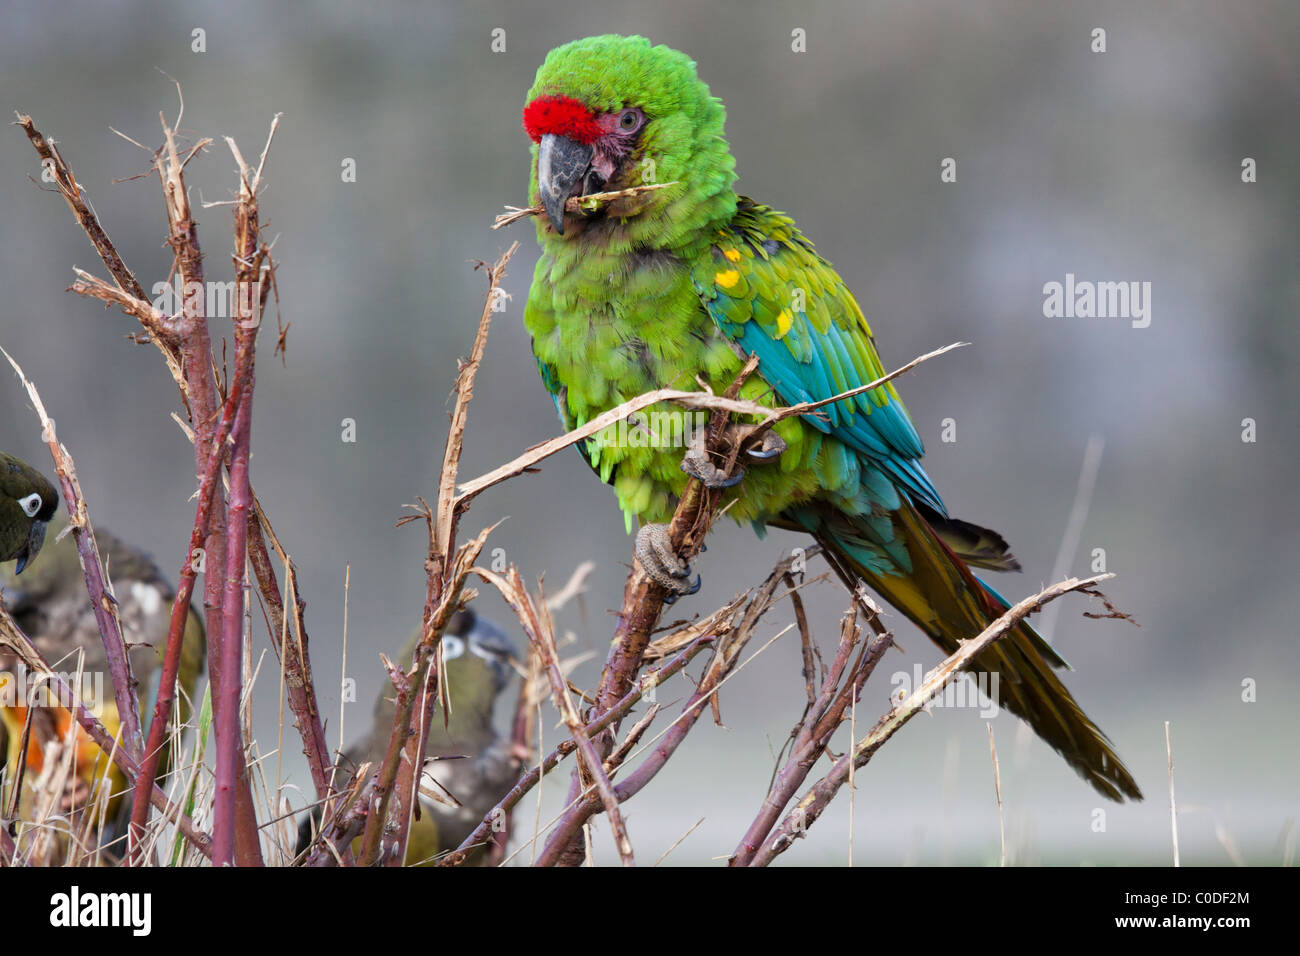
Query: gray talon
x=696 y=464
x=771 y=447
x=672 y=597
x=654 y=552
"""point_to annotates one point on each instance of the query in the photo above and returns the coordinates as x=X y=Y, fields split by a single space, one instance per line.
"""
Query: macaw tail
x=944 y=599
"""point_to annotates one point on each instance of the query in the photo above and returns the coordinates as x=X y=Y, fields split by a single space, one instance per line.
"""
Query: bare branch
x=92 y=567
x=816 y=799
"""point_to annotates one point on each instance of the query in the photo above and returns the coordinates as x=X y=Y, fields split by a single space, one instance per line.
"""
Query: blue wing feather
x=771 y=294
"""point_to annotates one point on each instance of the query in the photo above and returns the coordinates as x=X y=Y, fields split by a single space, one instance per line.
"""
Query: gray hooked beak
x=561 y=165
x=35 y=538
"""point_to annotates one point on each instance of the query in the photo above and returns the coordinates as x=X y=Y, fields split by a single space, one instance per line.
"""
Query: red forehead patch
x=563 y=116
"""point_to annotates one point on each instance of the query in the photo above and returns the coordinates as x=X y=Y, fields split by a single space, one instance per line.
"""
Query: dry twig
x=576 y=204
x=819 y=796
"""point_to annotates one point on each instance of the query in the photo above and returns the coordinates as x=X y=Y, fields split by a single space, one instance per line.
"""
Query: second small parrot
x=27 y=503
x=49 y=602
x=681 y=285
x=468 y=765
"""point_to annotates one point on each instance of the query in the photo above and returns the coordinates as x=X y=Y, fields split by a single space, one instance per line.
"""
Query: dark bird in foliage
x=50 y=603
x=469 y=767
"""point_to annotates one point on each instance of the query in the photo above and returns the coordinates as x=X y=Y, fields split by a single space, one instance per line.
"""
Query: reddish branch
x=391 y=794
x=726 y=653
x=643 y=603
x=529 y=780
x=70 y=189
x=537 y=625
x=815 y=801
x=445 y=569
x=248 y=261
x=176 y=632
x=196 y=363
x=820 y=721
x=92 y=567
x=299 y=684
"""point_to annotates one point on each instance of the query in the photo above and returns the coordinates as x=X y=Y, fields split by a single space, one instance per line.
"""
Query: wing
x=589 y=449
x=770 y=293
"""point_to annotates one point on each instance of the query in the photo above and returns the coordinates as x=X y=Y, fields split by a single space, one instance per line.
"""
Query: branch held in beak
x=561 y=165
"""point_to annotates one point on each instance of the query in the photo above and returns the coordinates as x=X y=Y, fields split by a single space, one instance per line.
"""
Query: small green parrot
x=469 y=767
x=683 y=284
x=50 y=604
x=27 y=503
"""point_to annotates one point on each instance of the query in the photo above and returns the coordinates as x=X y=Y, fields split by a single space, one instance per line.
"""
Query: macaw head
x=611 y=112
x=27 y=503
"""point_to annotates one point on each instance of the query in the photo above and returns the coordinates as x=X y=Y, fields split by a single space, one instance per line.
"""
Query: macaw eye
x=30 y=504
x=452 y=647
x=629 y=120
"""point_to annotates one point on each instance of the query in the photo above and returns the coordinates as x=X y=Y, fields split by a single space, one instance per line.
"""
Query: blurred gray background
x=1123 y=165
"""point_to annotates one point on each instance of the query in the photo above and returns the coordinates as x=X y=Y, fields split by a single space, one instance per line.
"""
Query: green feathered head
x=611 y=112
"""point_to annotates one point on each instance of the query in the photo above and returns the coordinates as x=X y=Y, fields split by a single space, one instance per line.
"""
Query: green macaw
x=50 y=604
x=27 y=503
x=468 y=767
x=682 y=284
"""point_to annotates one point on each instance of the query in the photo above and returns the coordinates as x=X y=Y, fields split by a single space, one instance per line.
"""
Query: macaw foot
x=696 y=464
x=696 y=461
x=769 y=446
x=654 y=551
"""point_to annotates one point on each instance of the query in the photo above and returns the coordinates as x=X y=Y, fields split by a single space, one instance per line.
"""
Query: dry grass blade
x=997 y=788
x=1173 y=804
x=576 y=204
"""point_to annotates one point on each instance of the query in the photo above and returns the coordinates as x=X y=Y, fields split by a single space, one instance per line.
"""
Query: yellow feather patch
x=727 y=279
x=783 y=321
x=732 y=255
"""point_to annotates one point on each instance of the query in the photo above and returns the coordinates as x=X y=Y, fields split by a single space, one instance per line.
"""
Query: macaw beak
x=35 y=538
x=561 y=165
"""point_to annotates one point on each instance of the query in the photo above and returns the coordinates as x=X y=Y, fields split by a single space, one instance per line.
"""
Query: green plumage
x=681 y=285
